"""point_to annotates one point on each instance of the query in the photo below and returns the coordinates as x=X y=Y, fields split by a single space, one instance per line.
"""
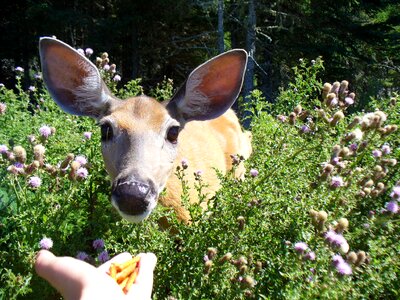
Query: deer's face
x=139 y=149
x=139 y=135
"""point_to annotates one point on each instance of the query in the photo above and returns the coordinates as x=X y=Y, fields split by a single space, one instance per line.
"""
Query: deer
x=143 y=140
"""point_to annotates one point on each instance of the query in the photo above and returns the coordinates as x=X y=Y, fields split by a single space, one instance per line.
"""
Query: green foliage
x=243 y=245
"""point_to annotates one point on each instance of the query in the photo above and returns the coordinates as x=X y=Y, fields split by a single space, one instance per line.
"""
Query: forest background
x=156 y=39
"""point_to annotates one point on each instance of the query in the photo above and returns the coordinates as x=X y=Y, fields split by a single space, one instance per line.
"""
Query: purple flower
x=103 y=256
x=81 y=52
x=335 y=160
x=206 y=258
x=45 y=243
x=353 y=147
x=344 y=268
x=377 y=153
x=98 y=244
x=3 y=108
x=3 y=149
x=349 y=100
x=35 y=181
x=338 y=240
x=282 y=118
x=253 y=173
x=392 y=206
x=198 y=173
x=337 y=259
x=330 y=235
x=45 y=131
x=300 y=247
x=305 y=129
x=87 y=135
x=395 y=194
x=81 y=159
x=106 y=67
x=32 y=88
x=337 y=181
x=117 y=78
x=82 y=255
x=38 y=76
x=310 y=256
x=184 y=163
x=386 y=149
x=82 y=173
x=88 y=52
x=19 y=69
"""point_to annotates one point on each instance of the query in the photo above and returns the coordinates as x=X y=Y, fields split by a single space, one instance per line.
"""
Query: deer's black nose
x=131 y=196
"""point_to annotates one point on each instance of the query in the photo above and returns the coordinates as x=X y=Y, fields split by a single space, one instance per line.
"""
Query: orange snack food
x=125 y=274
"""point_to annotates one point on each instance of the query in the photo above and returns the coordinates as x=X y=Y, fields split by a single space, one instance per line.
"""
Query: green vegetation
x=316 y=216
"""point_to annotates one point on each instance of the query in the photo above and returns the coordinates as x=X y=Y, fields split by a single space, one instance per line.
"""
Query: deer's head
x=139 y=135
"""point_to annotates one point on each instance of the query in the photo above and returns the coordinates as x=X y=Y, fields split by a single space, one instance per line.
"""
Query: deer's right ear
x=73 y=81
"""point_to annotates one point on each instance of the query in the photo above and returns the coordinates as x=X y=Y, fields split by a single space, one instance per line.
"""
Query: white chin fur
x=134 y=218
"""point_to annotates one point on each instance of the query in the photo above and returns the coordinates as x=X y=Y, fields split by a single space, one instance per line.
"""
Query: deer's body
x=143 y=141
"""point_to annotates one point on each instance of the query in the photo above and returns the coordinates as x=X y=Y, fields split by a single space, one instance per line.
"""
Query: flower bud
x=70 y=157
x=226 y=257
x=38 y=152
x=351 y=257
x=241 y=222
x=335 y=87
x=29 y=169
x=322 y=216
x=207 y=266
x=292 y=118
x=343 y=89
x=342 y=225
x=211 y=252
x=20 y=154
x=355 y=122
x=326 y=89
x=344 y=152
x=369 y=183
x=380 y=186
x=298 y=109
x=328 y=168
x=248 y=282
x=331 y=100
x=243 y=269
x=344 y=248
x=336 y=118
x=361 y=257
x=258 y=267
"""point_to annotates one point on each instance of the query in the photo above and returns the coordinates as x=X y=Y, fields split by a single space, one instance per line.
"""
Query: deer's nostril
x=131 y=196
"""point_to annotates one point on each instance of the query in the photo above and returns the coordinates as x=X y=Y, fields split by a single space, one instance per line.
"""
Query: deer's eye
x=172 y=134
x=106 y=132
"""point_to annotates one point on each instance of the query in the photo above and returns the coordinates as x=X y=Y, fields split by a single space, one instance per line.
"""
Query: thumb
x=142 y=288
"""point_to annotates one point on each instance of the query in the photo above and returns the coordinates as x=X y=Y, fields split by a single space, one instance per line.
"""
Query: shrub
x=315 y=216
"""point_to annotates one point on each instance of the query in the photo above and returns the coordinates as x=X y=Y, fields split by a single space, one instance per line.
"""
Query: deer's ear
x=211 y=88
x=73 y=81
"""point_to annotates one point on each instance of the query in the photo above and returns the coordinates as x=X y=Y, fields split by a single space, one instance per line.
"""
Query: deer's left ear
x=211 y=88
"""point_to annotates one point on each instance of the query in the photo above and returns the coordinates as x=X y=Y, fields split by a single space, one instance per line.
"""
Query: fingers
x=63 y=273
x=118 y=259
x=143 y=285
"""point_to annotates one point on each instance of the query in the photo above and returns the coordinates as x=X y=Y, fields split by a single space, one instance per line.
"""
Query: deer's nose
x=131 y=196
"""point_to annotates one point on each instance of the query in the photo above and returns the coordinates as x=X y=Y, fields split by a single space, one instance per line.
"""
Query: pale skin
x=76 y=279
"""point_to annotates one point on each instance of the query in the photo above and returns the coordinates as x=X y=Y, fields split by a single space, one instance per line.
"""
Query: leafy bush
x=315 y=217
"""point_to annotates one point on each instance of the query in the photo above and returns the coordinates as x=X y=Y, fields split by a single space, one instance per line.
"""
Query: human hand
x=76 y=279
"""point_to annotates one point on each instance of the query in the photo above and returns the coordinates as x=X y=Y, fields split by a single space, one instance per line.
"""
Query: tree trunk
x=221 y=35
x=248 y=84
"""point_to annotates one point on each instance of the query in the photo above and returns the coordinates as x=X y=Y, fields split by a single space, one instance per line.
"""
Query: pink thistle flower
x=300 y=247
x=35 y=182
x=19 y=69
x=3 y=108
x=80 y=51
x=98 y=244
x=393 y=207
x=338 y=240
x=88 y=52
x=344 y=268
x=87 y=135
x=353 y=147
x=337 y=181
x=395 y=194
x=117 y=78
x=310 y=256
x=386 y=149
x=81 y=160
x=184 y=163
x=3 y=149
x=348 y=101
x=377 y=153
x=82 y=173
x=253 y=173
x=46 y=243
x=330 y=236
x=103 y=256
x=82 y=255
x=305 y=129
x=106 y=67
x=45 y=131
x=337 y=259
